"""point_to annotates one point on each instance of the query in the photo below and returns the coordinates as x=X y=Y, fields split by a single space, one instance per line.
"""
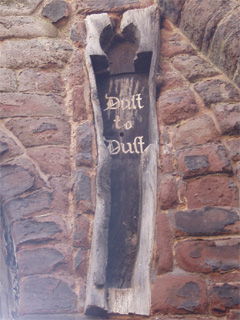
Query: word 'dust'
x=115 y=147
x=115 y=103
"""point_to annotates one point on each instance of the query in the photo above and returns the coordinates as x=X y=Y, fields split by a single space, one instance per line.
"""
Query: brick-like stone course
x=91 y=6
x=30 y=166
x=14 y=181
x=172 y=44
x=219 y=190
x=164 y=244
x=233 y=149
x=228 y=116
x=216 y=90
x=61 y=188
x=46 y=295
x=33 y=105
x=23 y=7
x=82 y=185
x=208 y=256
x=8 y=147
x=56 y=10
x=40 y=131
x=51 y=159
x=8 y=80
x=21 y=207
x=81 y=238
x=207 y=221
x=212 y=27
x=202 y=160
x=79 y=104
x=81 y=262
x=179 y=294
x=31 y=81
x=39 y=261
x=224 y=297
x=78 y=33
x=31 y=230
x=226 y=53
x=168 y=192
x=198 y=131
x=194 y=67
x=84 y=145
x=35 y=53
x=25 y=27
x=177 y=105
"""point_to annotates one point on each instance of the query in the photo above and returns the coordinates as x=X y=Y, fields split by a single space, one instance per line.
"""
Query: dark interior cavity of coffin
x=123 y=94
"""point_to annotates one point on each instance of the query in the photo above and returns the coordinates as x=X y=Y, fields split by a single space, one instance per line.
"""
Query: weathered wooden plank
x=123 y=96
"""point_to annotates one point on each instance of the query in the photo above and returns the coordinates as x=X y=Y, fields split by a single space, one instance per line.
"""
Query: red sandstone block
x=33 y=203
x=35 y=231
x=168 y=192
x=200 y=20
x=168 y=78
x=78 y=34
x=8 y=80
x=228 y=277
x=208 y=256
x=29 y=165
x=15 y=180
x=82 y=232
x=172 y=9
x=215 y=91
x=77 y=69
x=194 y=67
x=26 y=27
x=233 y=146
x=166 y=162
x=34 y=81
x=179 y=294
x=52 y=160
x=210 y=158
x=223 y=298
x=219 y=190
x=84 y=145
x=81 y=263
x=40 y=131
x=46 y=295
x=89 y=6
x=195 y=132
x=61 y=187
x=33 y=105
x=237 y=172
x=234 y=315
x=164 y=244
x=8 y=147
x=228 y=116
x=177 y=105
x=79 y=104
x=12 y=8
x=82 y=191
x=56 y=10
x=170 y=81
x=35 y=53
x=82 y=185
x=207 y=221
x=39 y=261
x=224 y=49
x=172 y=44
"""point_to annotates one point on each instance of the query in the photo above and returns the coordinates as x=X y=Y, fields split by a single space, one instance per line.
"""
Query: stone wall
x=48 y=160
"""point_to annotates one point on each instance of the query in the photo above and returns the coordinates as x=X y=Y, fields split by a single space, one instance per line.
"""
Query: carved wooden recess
x=121 y=57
